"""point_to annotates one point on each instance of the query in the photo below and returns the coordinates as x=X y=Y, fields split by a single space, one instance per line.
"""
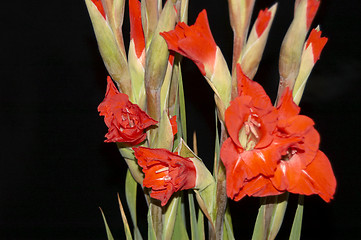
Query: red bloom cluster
x=126 y=121
x=272 y=150
x=165 y=172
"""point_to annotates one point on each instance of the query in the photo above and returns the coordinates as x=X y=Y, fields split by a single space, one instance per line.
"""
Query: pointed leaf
x=170 y=216
x=297 y=222
x=125 y=221
x=109 y=234
x=228 y=225
x=182 y=107
x=180 y=231
x=200 y=224
x=131 y=197
x=151 y=231
x=164 y=138
x=192 y=216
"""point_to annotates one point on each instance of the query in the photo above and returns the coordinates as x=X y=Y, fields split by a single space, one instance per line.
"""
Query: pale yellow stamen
x=162 y=170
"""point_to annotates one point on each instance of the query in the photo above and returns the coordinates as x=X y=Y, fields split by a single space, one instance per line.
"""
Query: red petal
x=317 y=178
x=235 y=115
x=136 y=29
x=262 y=161
x=195 y=42
x=312 y=7
x=99 y=5
x=165 y=172
x=173 y=122
x=317 y=42
x=251 y=88
x=286 y=106
x=262 y=21
x=257 y=187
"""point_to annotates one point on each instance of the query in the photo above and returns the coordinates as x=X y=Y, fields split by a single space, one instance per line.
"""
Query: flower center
x=128 y=119
x=290 y=153
x=249 y=134
x=165 y=174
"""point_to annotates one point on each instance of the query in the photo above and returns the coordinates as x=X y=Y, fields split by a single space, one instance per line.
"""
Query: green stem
x=221 y=197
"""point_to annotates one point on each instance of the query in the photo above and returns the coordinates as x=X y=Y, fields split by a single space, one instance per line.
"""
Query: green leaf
x=180 y=230
x=228 y=228
x=164 y=138
x=259 y=231
x=297 y=222
x=193 y=217
x=125 y=221
x=217 y=149
x=128 y=155
x=200 y=224
x=131 y=196
x=169 y=217
x=182 y=107
x=270 y=216
x=109 y=234
x=151 y=232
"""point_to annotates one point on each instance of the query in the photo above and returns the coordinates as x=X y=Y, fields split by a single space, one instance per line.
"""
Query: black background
x=55 y=169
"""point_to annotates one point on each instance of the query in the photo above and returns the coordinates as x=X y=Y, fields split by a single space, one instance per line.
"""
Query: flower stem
x=221 y=198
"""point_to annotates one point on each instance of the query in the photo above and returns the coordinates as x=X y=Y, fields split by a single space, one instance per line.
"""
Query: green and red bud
x=256 y=42
x=311 y=53
x=292 y=46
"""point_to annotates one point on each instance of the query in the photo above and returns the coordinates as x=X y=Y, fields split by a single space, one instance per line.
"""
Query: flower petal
x=136 y=29
x=317 y=178
x=195 y=42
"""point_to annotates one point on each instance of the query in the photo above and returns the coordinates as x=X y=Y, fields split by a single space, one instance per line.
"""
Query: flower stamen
x=162 y=170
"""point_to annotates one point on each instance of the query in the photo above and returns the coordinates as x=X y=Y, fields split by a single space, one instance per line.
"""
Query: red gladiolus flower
x=99 y=5
x=195 y=42
x=301 y=167
x=250 y=120
x=165 y=172
x=317 y=42
x=126 y=121
x=262 y=21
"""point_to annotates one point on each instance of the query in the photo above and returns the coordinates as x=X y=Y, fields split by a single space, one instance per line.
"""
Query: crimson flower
x=165 y=172
x=126 y=121
x=194 y=42
x=250 y=120
x=301 y=167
